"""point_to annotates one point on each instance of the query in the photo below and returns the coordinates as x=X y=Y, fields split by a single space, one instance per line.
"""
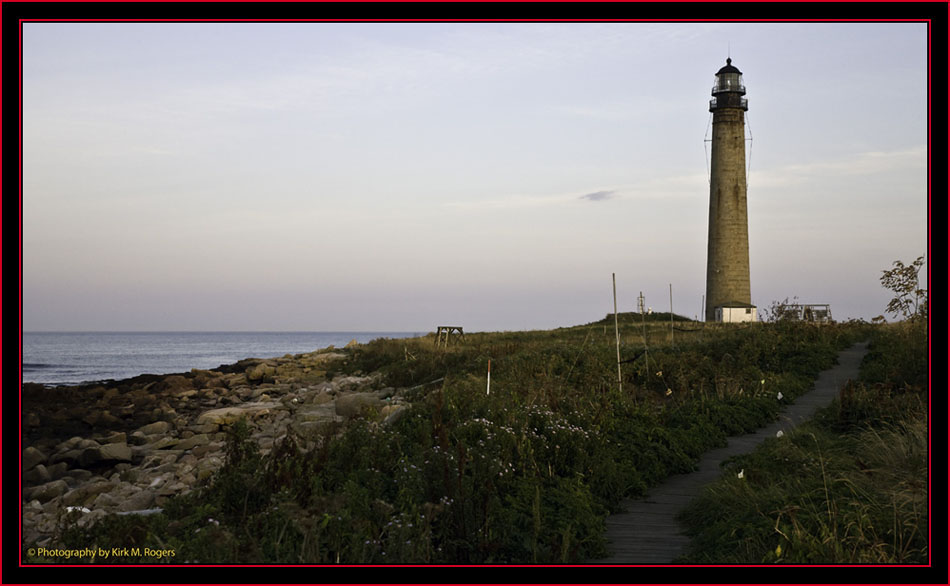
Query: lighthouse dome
x=729 y=68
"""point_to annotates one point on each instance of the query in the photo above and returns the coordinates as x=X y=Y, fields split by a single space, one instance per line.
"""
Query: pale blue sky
x=316 y=176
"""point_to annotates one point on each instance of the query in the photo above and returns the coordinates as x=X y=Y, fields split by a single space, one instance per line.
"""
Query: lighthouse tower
x=728 y=295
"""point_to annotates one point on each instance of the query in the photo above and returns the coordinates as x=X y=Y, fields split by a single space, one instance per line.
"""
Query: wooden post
x=671 y=314
x=617 y=332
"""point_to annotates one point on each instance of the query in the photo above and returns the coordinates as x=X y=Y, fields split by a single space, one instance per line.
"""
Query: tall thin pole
x=617 y=332
x=671 y=314
x=643 y=320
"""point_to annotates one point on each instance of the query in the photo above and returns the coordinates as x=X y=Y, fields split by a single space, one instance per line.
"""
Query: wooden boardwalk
x=647 y=533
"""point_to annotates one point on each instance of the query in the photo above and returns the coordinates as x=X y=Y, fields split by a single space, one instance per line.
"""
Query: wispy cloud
x=858 y=164
x=598 y=195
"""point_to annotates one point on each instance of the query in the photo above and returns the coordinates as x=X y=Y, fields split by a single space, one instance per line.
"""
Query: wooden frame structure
x=445 y=334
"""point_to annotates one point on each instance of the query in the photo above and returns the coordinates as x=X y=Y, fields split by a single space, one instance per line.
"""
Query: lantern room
x=728 y=89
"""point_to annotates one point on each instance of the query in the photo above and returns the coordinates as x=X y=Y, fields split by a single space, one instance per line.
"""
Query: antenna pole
x=671 y=314
x=617 y=332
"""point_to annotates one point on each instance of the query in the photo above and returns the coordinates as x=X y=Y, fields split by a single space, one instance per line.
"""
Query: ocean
x=70 y=358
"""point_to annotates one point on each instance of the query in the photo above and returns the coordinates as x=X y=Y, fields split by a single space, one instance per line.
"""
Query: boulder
x=107 y=454
x=192 y=442
x=322 y=412
x=260 y=372
x=114 y=438
x=87 y=493
x=69 y=457
x=355 y=404
x=314 y=430
x=321 y=398
x=32 y=457
x=156 y=427
x=392 y=413
x=203 y=428
x=37 y=475
x=228 y=415
x=137 y=501
x=57 y=471
x=47 y=492
x=175 y=383
x=351 y=383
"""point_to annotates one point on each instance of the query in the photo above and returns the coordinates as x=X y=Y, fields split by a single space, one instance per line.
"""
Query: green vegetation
x=851 y=486
x=526 y=473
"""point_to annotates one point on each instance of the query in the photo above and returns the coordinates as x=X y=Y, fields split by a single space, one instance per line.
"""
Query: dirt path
x=647 y=533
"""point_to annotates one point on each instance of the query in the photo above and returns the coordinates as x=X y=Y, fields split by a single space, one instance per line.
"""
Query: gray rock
x=260 y=372
x=204 y=428
x=321 y=412
x=155 y=428
x=106 y=454
x=47 y=492
x=137 y=438
x=314 y=430
x=57 y=471
x=78 y=475
x=192 y=442
x=32 y=457
x=87 y=492
x=137 y=501
x=355 y=404
x=227 y=415
x=392 y=413
x=105 y=500
x=37 y=475
x=69 y=457
x=114 y=438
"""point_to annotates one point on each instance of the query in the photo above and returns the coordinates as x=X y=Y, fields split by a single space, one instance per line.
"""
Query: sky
x=399 y=176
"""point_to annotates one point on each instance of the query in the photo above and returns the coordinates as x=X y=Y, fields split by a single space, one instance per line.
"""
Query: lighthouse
x=728 y=294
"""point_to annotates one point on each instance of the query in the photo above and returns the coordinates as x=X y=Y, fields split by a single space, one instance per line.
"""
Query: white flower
x=742 y=473
x=780 y=433
x=780 y=395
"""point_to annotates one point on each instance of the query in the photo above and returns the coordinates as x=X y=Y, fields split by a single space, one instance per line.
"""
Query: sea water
x=69 y=358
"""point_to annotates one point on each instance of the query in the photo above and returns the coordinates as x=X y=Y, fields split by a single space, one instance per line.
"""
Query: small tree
x=780 y=311
x=911 y=300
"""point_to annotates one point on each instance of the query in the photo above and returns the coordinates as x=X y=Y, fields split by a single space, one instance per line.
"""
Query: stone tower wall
x=727 y=268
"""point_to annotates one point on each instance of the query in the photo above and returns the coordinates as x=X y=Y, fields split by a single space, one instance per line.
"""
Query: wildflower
x=780 y=395
x=742 y=473
x=669 y=392
x=659 y=373
x=780 y=433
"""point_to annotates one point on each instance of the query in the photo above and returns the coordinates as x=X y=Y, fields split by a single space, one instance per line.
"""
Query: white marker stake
x=488 y=388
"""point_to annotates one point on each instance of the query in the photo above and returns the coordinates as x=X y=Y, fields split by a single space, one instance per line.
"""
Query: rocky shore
x=127 y=446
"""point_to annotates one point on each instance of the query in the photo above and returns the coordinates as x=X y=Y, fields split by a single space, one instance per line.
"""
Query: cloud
x=855 y=164
x=598 y=195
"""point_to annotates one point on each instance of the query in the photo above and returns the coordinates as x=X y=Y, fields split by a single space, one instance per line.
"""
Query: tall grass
x=526 y=474
x=849 y=487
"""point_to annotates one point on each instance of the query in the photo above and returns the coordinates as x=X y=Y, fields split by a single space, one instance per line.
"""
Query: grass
x=525 y=474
